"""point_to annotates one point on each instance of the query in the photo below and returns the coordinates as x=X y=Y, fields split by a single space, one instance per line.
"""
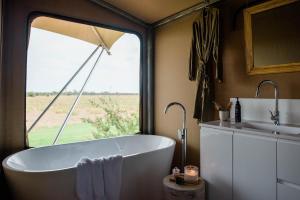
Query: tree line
x=70 y=93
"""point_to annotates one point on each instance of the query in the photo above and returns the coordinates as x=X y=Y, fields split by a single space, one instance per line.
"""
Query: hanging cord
x=77 y=99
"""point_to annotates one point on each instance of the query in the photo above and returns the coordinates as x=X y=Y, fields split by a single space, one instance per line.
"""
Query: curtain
x=205 y=42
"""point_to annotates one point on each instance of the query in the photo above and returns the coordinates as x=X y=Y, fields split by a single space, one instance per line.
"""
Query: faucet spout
x=183 y=109
x=182 y=133
x=275 y=114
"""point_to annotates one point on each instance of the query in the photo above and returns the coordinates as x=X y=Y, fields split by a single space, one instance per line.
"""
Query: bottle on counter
x=237 y=111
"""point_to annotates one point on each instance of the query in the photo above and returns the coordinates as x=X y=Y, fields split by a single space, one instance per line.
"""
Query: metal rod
x=183 y=13
x=183 y=148
x=158 y=23
x=77 y=99
x=63 y=88
x=120 y=12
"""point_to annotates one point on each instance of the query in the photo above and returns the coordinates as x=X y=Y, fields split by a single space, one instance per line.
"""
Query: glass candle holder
x=191 y=174
x=176 y=171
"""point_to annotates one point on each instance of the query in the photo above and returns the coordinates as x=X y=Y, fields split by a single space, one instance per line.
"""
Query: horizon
x=84 y=93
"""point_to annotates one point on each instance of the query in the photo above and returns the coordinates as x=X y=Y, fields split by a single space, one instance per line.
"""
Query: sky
x=53 y=58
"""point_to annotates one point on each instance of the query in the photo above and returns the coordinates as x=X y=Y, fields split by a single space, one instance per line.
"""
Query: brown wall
x=236 y=80
x=172 y=45
x=171 y=74
x=13 y=69
x=16 y=17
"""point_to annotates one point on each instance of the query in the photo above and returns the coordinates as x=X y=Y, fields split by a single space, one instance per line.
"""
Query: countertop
x=239 y=128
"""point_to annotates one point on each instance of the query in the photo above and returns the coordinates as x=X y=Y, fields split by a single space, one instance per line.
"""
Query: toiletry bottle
x=237 y=110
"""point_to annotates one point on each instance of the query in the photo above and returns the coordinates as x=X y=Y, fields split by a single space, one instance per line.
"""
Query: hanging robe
x=204 y=45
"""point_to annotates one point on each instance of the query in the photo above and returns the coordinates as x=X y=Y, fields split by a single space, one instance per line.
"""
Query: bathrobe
x=205 y=44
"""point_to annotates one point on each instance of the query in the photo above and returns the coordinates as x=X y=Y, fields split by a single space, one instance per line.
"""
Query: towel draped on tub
x=99 y=179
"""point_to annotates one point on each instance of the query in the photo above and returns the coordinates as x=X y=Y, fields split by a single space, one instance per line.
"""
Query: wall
x=236 y=80
x=171 y=74
x=13 y=69
x=16 y=19
x=172 y=44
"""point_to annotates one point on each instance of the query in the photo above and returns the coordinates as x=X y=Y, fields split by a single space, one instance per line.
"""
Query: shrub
x=31 y=94
x=114 y=122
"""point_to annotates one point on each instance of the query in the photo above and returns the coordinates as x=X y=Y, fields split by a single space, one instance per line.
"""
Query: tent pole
x=184 y=13
x=77 y=99
x=64 y=87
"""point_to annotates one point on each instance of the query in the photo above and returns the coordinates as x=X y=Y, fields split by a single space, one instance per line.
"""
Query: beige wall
x=13 y=68
x=172 y=45
x=236 y=80
x=171 y=74
x=13 y=72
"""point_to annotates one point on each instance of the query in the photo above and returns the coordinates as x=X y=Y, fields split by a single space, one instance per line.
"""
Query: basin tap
x=275 y=113
x=182 y=133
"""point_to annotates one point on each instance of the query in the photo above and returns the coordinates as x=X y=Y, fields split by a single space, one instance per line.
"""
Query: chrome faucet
x=182 y=133
x=275 y=114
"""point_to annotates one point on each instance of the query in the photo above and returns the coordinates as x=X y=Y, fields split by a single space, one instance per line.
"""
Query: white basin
x=268 y=127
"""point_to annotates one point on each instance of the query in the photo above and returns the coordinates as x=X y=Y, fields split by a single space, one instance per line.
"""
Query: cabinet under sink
x=239 y=165
x=216 y=162
x=254 y=167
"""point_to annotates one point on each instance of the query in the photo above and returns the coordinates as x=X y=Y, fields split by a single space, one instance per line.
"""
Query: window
x=82 y=82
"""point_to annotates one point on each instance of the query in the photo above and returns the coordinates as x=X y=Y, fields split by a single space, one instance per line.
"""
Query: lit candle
x=176 y=171
x=190 y=174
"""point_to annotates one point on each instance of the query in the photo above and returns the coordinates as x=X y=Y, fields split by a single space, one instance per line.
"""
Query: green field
x=45 y=131
x=44 y=136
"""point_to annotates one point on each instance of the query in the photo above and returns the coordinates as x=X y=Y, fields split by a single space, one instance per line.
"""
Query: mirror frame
x=268 y=69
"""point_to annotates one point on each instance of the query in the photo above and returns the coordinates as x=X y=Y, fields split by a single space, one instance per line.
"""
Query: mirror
x=272 y=37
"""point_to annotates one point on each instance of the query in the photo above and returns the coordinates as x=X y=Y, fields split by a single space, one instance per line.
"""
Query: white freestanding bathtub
x=50 y=172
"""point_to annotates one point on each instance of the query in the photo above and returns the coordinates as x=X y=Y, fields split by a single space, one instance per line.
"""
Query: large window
x=82 y=82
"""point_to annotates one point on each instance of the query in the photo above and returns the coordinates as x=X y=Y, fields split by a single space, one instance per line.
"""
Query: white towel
x=112 y=168
x=99 y=179
x=90 y=180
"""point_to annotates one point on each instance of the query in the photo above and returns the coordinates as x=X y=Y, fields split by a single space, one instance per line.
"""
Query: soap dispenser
x=237 y=111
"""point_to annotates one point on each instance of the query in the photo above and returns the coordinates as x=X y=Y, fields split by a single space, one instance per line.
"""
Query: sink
x=268 y=127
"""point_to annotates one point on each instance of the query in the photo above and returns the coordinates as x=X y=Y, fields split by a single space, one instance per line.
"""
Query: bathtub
x=50 y=172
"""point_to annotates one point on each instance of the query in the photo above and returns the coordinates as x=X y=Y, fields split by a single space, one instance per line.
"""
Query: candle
x=190 y=174
x=176 y=171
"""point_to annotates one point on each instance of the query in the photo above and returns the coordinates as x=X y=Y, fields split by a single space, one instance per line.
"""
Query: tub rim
x=6 y=166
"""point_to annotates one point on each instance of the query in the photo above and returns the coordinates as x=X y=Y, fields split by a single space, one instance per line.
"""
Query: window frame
x=145 y=99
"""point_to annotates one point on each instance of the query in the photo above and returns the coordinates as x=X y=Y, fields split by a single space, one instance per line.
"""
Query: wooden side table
x=173 y=191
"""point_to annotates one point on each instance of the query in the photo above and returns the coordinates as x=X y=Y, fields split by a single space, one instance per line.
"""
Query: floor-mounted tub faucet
x=275 y=114
x=182 y=133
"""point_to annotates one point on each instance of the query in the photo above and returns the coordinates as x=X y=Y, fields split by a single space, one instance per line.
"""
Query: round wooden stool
x=173 y=191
